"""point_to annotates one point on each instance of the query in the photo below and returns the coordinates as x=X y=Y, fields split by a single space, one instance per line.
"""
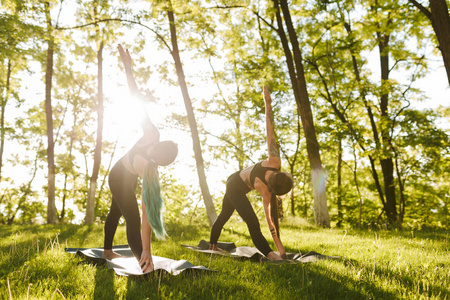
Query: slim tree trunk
x=376 y=137
x=339 y=184
x=292 y=196
x=26 y=191
x=298 y=81
x=305 y=202
x=90 y=205
x=387 y=164
x=2 y=117
x=210 y=210
x=292 y=164
x=66 y=176
x=401 y=186
x=51 y=208
x=355 y=179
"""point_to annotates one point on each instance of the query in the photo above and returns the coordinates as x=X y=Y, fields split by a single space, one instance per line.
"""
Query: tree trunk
x=440 y=21
x=386 y=161
x=51 y=208
x=298 y=81
x=292 y=194
x=384 y=165
x=339 y=184
x=355 y=179
x=210 y=210
x=441 y=25
x=402 y=204
x=2 y=117
x=90 y=205
x=26 y=191
x=292 y=165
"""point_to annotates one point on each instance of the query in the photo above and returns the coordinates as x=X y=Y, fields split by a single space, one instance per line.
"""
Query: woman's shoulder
x=272 y=162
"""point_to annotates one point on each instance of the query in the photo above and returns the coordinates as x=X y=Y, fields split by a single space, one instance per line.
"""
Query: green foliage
x=20 y=207
x=230 y=50
x=180 y=201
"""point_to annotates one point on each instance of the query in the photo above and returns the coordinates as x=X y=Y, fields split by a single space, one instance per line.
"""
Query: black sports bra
x=138 y=150
x=260 y=172
x=141 y=150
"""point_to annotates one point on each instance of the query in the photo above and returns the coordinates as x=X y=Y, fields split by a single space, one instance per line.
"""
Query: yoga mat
x=254 y=254
x=128 y=264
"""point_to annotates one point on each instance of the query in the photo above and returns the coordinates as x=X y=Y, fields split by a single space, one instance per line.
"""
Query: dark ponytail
x=274 y=212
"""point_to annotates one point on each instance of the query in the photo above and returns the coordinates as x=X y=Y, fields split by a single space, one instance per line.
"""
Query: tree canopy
x=363 y=113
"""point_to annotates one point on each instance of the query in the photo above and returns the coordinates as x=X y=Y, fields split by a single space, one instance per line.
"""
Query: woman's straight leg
x=224 y=216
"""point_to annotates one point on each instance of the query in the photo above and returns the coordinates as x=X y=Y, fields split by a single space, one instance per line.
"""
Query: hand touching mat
x=127 y=265
x=254 y=254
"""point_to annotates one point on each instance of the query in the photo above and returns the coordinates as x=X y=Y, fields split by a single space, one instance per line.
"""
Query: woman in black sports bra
x=266 y=178
x=141 y=161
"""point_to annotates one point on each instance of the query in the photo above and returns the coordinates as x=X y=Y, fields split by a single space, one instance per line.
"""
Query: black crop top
x=139 y=149
x=260 y=172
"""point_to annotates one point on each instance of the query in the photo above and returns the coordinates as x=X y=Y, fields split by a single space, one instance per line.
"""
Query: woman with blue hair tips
x=266 y=178
x=141 y=161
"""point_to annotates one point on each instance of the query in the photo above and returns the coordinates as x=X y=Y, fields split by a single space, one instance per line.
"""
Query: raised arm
x=146 y=124
x=127 y=63
x=273 y=149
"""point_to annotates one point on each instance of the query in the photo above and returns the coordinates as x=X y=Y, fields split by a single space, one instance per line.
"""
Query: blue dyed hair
x=153 y=200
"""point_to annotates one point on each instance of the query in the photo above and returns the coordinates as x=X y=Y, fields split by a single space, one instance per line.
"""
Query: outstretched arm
x=146 y=124
x=274 y=151
x=146 y=261
x=273 y=231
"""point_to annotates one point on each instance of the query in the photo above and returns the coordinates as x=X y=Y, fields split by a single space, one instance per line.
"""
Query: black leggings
x=124 y=203
x=235 y=199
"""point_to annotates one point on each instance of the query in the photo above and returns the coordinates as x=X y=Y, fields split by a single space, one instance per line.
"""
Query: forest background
x=381 y=124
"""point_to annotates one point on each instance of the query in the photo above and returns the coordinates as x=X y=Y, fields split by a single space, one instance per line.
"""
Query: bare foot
x=273 y=256
x=109 y=254
x=215 y=248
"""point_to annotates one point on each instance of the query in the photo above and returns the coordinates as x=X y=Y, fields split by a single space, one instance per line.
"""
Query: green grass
x=375 y=265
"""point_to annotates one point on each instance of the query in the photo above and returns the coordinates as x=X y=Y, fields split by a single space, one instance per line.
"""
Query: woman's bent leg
x=245 y=210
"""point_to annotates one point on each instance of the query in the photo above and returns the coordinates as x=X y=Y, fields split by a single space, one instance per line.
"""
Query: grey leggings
x=235 y=199
x=124 y=203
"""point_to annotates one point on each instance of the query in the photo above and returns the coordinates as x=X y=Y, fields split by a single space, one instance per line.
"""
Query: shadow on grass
x=418 y=284
x=179 y=232
x=59 y=234
x=323 y=285
x=284 y=281
x=161 y=284
x=204 y=286
x=292 y=281
x=24 y=243
x=439 y=235
x=426 y=239
x=316 y=281
x=104 y=283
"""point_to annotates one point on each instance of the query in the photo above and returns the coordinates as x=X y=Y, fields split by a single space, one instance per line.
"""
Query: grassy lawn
x=375 y=265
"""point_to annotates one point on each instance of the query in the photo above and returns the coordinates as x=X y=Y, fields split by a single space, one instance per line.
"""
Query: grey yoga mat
x=127 y=265
x=254 y=254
